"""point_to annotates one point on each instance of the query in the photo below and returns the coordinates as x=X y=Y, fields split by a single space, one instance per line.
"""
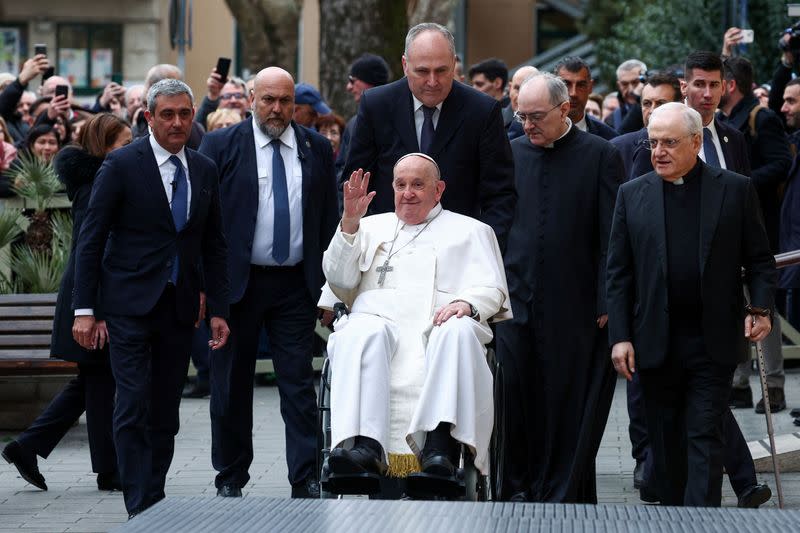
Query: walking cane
x=770 y=430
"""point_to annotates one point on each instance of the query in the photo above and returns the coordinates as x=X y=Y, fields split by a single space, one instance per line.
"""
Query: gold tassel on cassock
x=401 y=465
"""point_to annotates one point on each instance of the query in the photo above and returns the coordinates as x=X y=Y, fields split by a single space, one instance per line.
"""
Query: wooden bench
x=29 y=377
x=26 y=323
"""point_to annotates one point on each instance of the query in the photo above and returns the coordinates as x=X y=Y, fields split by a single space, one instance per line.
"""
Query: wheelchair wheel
x=496 y=444
x=324 y=429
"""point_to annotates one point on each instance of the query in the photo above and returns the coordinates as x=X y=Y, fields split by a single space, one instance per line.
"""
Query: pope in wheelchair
x=411 y=383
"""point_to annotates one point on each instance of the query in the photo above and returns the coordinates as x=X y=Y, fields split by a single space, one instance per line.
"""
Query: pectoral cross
x=383 y=269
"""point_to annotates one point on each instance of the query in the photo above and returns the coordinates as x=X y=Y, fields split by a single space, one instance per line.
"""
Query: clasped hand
x=91 y=334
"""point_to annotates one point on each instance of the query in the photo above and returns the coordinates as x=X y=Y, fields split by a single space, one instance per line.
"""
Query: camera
x=793 y=45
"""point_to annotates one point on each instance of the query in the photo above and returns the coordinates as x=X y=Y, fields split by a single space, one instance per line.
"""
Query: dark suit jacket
x=128 y=239
x=790 y=227
x=732 y=236
x=234 y=151
x=596 y=127
x=636 y=156
x=770 y=158
x=470 y=146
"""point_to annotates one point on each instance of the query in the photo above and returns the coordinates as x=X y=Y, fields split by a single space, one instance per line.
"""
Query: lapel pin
x=725 y=138
x=308 y=143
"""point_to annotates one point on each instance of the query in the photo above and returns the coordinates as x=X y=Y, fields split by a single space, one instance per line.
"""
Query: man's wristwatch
x=758 y=311
x=472 y=309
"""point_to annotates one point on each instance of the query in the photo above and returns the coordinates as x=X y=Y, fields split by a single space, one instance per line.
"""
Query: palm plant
x=36 y=271
x=61 y=224
x=11 y=221
x=36 y=181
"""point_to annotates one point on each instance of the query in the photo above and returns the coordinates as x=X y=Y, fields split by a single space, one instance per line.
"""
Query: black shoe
x=638 y=475
x=438 y=464
x=199 y=390
x=754 y=496
x=795 y=413
x=25 y=462
x=108 y=481
x=741 y=398
x=796 y=421
x=132 y=514
x=777 y=401
x=646 y=494
x=229 y=490
x=308 y=488
x=363 y=458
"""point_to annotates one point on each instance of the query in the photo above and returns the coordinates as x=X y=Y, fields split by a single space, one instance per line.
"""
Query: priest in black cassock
x=559 y=380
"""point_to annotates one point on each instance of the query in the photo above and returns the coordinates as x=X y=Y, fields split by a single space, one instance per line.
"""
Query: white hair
x=167 y=87
x=693 y=122
x=631 y=64
x=430 y=26
x=556 y=88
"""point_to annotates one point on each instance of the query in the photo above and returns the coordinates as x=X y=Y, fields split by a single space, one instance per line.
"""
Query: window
x=554 y=27
x=89 y=55
x=13 y=46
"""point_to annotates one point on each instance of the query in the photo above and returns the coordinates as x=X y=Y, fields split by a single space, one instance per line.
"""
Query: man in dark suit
x=577 y=76
x=152 y=239
x=702 y=89
x=428 y=112
x=280 y=211
x=679 y=239
x=771 y=160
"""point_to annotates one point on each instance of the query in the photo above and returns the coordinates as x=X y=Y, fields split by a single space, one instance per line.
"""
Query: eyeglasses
x=533 y=118
x=652 y=144
x=230 y=96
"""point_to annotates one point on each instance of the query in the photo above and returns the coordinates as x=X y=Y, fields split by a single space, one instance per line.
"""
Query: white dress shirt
x=717 y=145
x=581 y=124
x=262 y=240
x=167 y=171
x=419 y=117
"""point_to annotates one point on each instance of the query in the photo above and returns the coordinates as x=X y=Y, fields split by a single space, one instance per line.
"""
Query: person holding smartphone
x=224 y=92
x=11 y=96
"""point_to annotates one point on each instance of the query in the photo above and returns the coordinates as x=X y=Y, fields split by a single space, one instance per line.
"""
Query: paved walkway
x=73 y=502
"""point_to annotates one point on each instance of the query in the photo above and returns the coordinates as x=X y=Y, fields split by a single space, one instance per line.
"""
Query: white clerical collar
x=163 y=155
x=569 y=127
x=262 y=139
x=581 y=124
x=418 y=104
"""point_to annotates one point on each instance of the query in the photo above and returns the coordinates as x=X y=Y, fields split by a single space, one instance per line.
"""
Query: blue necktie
x=180 y=197
x=426 y=135
x=280 y=197
x=709 y=149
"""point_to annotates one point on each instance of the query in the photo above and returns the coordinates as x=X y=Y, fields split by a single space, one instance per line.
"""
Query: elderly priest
x=410 y=378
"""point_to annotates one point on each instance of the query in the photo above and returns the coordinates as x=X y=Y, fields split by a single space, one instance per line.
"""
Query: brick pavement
x=74 y=504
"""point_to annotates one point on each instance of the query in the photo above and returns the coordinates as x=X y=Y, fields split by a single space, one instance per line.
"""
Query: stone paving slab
x=74 y=504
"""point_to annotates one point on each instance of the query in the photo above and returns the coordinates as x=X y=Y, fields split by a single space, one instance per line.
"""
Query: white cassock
x=394 y=375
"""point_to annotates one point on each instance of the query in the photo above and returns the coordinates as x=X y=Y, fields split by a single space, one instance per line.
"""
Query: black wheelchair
x=470 y=484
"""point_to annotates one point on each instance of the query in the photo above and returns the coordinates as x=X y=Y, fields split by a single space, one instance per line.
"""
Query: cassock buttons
x=169 y=264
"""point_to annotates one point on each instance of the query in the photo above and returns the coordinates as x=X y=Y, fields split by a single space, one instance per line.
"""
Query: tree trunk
x=350 y=28
x=269 y=31
x=439 y=11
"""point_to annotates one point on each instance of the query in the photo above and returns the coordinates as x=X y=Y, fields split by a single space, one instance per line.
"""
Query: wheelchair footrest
x=365 y=483
x=428 y=486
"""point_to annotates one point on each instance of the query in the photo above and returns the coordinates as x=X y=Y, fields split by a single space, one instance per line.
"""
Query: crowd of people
x=603 y=234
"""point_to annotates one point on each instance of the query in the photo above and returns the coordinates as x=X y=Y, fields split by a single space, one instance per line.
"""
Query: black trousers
x=277 y=299
x=92 y=391
x=150 y=358
x=686 y=400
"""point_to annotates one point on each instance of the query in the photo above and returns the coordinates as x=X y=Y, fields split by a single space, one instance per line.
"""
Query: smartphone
x=747 y=36
x=40 y=49
x=117 y=78
x=223 y=66
x=62 y=89
x=49 y=71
